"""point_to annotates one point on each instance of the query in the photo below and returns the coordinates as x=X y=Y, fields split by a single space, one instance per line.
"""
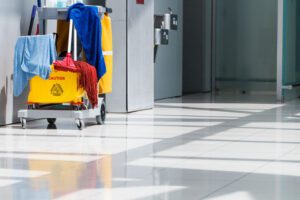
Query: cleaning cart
x=60 y=96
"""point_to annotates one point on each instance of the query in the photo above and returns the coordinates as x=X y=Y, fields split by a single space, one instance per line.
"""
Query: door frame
x=213 y=45
x=280 y=35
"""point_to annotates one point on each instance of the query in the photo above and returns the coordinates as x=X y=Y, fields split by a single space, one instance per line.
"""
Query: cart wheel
x=80 y=124
x=83 y=107
x=33 y=106
x=101 y=118
x=76 y=107
x=23 y=123
x=51 y=120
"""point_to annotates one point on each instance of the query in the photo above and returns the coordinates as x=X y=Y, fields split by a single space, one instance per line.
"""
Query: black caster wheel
x=80 y=124
x=51 y=127
x=51 y=120
x=33 y=106
x=23 y=123
x=102 y=117
x=76 y=108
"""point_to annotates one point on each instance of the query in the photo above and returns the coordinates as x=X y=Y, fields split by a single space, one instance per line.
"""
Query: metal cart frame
x=73 y=112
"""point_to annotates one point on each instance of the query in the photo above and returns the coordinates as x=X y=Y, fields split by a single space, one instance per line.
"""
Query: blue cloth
x=33 y=56
x=87 y=23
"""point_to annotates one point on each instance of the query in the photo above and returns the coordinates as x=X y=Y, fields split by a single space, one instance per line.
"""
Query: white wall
x=14 y=21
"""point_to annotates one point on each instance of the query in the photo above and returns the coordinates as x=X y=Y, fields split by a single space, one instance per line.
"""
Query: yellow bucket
x=61 y=87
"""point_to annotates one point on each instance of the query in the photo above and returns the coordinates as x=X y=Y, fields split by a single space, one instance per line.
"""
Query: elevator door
x=245 y=45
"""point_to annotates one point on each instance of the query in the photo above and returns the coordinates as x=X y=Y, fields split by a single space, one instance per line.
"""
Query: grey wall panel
x=168 y=66
x=119 y=9
x=140 y=55
x=14 y=19
x=133 y=56
x=117 y=100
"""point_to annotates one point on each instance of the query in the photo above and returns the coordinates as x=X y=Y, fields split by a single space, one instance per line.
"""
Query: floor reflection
x=57 y=178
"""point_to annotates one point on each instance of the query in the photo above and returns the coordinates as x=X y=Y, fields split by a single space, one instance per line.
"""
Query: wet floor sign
x=61 y=87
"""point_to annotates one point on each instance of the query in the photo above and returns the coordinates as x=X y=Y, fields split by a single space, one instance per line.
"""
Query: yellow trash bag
x=105 y=83
x=61 y=87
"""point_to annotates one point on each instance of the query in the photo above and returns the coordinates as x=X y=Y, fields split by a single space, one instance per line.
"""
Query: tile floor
x=191 y=148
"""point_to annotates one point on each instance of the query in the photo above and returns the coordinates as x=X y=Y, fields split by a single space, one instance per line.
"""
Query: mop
x=88 y=74
x=88 y=80
x=67 y=64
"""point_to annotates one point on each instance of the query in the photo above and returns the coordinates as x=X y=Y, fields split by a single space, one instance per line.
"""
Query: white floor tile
x=227 y=147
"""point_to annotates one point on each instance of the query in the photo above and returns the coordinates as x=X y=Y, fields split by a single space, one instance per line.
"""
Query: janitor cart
x=60 y=97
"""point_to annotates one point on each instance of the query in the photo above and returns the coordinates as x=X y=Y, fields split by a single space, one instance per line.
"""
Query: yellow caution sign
x=61 y=87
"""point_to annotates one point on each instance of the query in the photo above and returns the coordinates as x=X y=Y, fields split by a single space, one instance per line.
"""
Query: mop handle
x=75 y=40
x=75 y=44
x=70 y=33
x=70 y=36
